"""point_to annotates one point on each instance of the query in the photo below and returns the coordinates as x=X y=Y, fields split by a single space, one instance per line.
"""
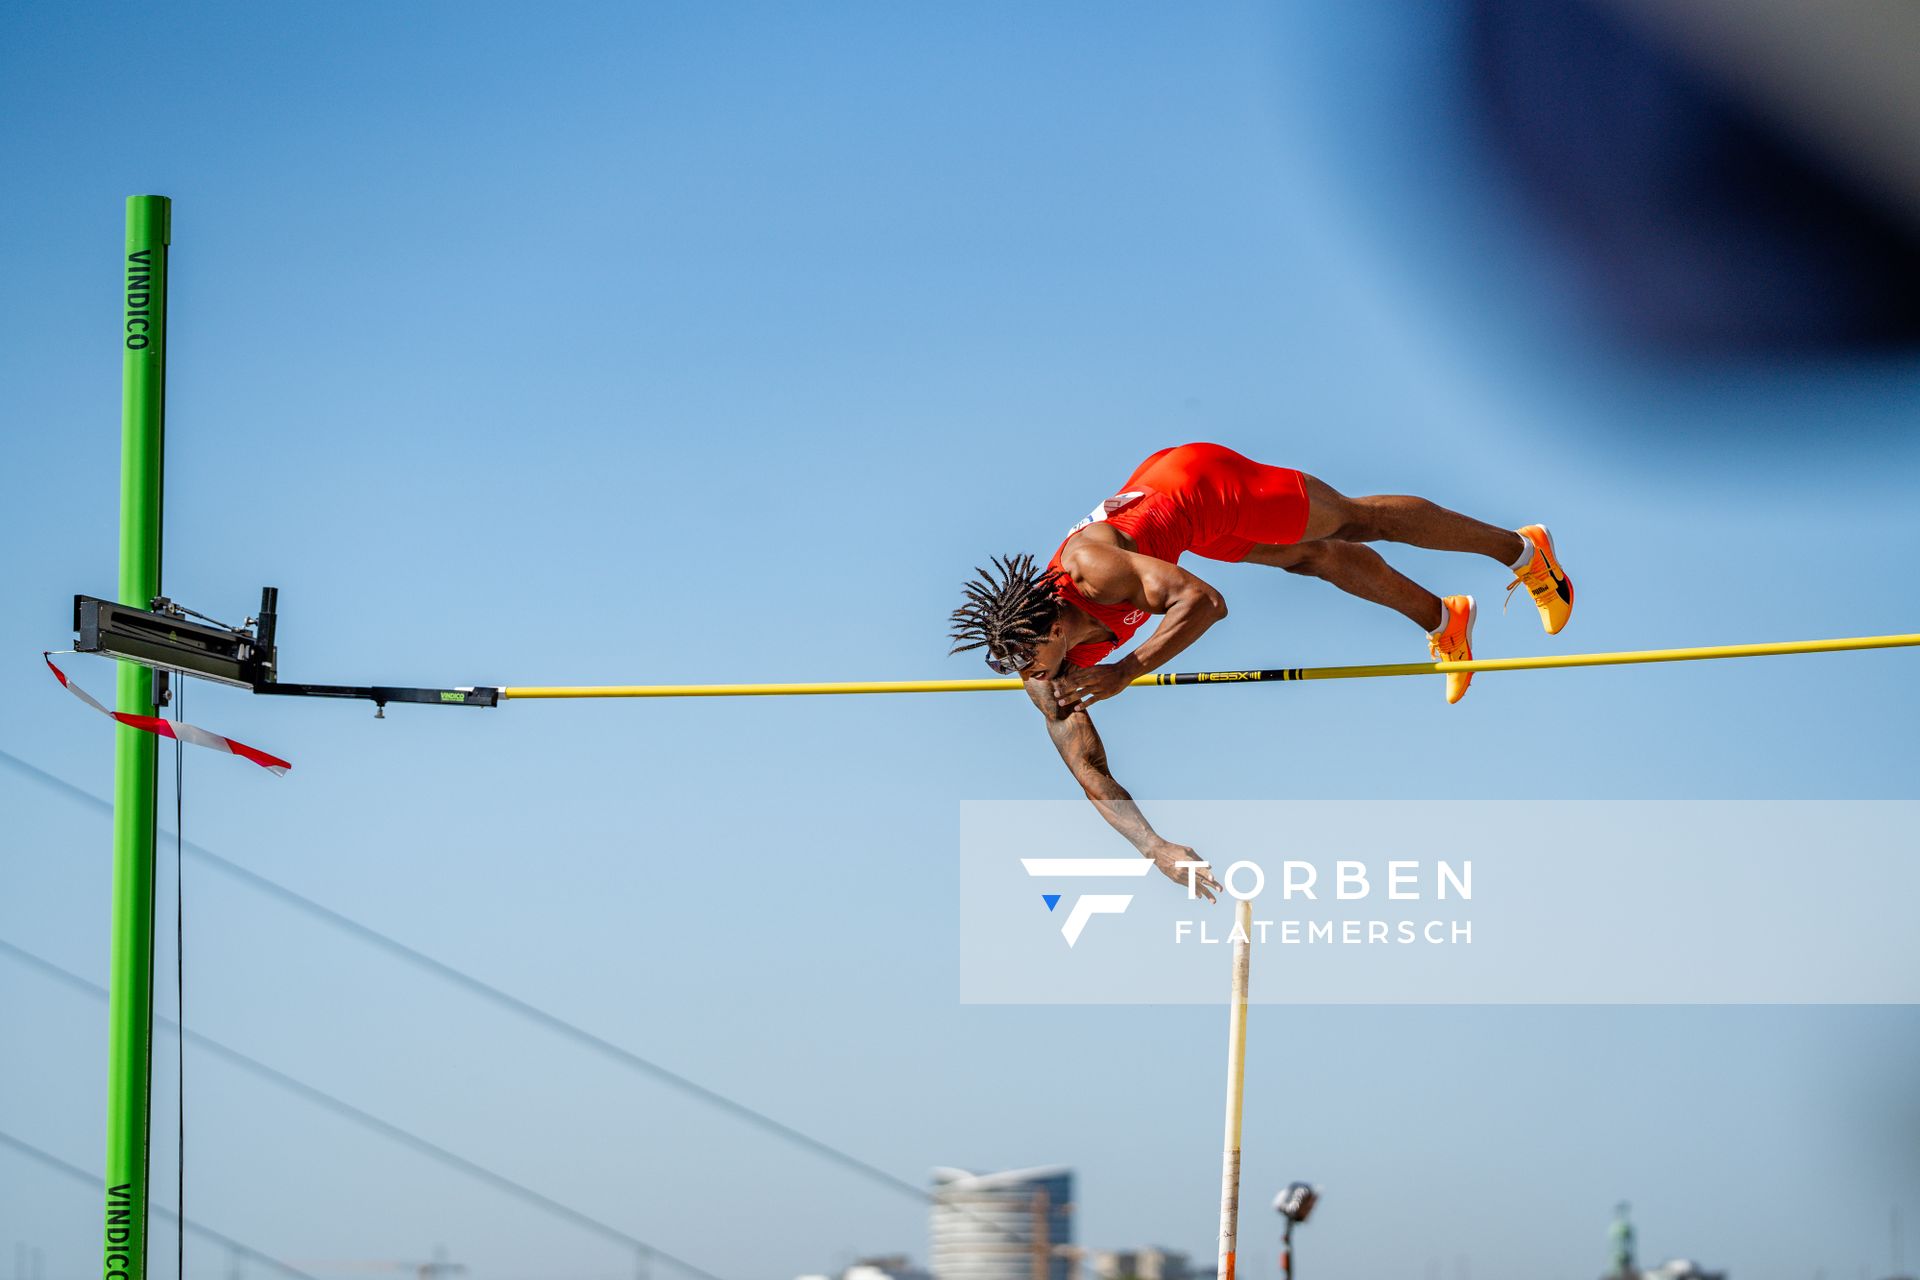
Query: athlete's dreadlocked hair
x=1009 y=613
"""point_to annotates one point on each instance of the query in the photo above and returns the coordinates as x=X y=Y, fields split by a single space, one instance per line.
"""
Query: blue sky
x=616 y=343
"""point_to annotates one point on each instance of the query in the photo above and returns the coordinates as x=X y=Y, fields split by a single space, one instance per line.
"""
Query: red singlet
x=1203 y=498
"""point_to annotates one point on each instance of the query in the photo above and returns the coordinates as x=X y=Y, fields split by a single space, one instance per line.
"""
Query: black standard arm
x=382 y=694
x=378 y=694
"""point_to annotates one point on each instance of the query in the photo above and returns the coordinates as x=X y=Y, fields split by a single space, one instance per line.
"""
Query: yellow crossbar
x=1627 y=658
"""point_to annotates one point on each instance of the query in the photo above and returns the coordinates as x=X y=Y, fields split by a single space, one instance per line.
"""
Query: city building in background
x=1620 y=1260
x=1016 y=1225
x=1621 y=1264
x=1149 y=1262
x=891 y=1266
x=1682 y=1269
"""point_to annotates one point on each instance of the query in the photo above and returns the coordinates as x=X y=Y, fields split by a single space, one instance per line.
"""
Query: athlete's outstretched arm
x=1079 y=745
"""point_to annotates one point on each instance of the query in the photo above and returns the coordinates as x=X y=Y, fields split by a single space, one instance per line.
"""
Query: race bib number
x=1099 y=514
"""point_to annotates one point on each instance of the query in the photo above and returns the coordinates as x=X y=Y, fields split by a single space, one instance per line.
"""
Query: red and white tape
x=170 y=728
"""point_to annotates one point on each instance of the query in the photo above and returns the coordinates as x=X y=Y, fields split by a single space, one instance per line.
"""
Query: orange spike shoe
x=1545 y=580
x=1453 y=642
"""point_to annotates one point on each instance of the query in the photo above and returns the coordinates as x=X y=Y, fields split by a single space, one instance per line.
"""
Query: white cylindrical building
x=1002 y=1226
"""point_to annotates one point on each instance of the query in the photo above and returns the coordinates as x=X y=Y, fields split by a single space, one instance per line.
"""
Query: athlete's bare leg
x=1357 y=570
x=1401 y=518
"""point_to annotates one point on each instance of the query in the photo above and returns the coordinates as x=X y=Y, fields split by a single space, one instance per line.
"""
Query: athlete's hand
x=1081 y=687
x=1168 y=856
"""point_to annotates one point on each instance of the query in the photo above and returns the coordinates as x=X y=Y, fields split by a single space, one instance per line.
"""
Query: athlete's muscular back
x=1106 y=573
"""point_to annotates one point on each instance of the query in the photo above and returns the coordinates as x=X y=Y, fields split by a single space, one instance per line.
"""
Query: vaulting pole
x=143 y=393
x=1631 y=657
x=1236 y=1087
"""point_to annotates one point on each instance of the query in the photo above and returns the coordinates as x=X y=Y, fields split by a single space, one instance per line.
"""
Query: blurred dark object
x=1728 y=179
x=1296 y=1202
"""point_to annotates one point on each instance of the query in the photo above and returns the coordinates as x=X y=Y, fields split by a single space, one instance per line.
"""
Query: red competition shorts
x=1223 y=503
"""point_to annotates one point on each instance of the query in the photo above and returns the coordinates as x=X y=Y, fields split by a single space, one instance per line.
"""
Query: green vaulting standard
x=143 y=373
